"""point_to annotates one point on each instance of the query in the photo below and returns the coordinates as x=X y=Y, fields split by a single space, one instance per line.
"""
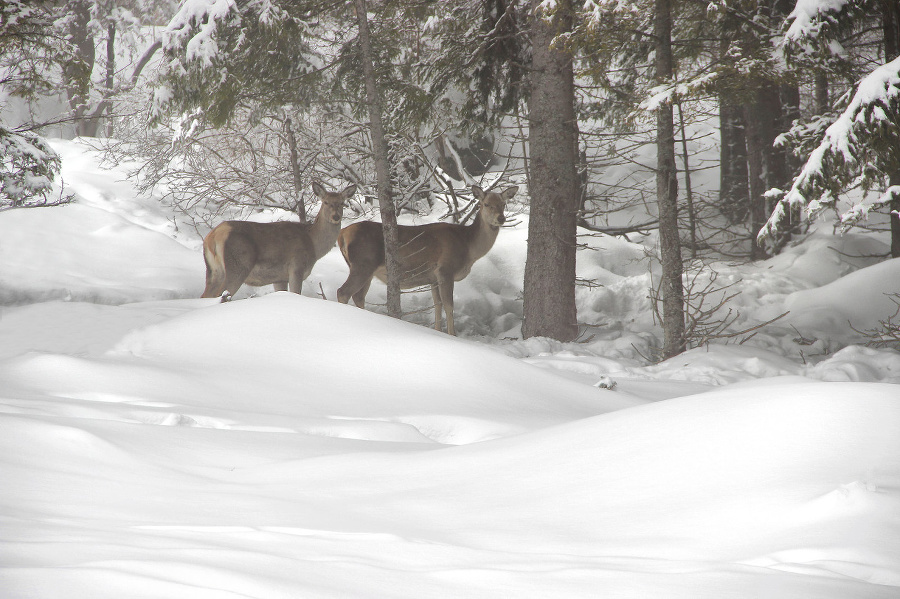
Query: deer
x=435 y=254
x=280 y=253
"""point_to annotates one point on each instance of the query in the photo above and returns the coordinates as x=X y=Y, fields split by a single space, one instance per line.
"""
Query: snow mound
x=84 y=253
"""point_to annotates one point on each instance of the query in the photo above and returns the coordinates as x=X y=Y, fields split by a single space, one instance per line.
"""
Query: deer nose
x=501 y=219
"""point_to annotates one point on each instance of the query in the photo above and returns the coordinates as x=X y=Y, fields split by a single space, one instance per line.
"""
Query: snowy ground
x=158 y=445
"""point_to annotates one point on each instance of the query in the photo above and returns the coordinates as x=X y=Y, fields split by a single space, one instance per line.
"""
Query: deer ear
x=509 y=192
x=318 y=189
x=349 y=192
x=478 y=192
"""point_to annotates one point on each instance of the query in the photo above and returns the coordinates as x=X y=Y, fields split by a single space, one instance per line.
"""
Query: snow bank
x=786 y=488
x=285 y=446
x=84 y=253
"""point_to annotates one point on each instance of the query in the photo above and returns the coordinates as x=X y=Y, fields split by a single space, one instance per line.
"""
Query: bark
x=549 y=302
x=382 y=165
x=295 y=168
x=822 y=102
x=110 y=76
x=78 y=70
x=688 y=188
x=672 y=288
x=766 y=169
x=734 y=193
x=790 y=112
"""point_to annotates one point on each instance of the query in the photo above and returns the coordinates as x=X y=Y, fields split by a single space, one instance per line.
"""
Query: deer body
x=436 y=254
x=280 y=253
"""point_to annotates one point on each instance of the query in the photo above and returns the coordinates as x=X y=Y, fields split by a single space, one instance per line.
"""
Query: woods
x=718 y=129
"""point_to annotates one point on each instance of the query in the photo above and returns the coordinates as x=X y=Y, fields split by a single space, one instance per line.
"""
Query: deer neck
x=481 y=237
x=323 y=234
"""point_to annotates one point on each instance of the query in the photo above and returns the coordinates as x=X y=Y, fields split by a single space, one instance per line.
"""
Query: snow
x=204 y=15
x=805 y=19
x=155 y=444
x=844 y=143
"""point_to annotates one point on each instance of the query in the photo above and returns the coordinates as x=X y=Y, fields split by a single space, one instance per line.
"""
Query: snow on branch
x=28 y=166
x=860 y=146
x=669 y=93
x=198 y=19
x=814 y=27
x=808 y=17
x=595 y=9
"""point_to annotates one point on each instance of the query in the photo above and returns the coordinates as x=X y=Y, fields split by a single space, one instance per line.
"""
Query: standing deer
x=436 y=254
x=281 y=253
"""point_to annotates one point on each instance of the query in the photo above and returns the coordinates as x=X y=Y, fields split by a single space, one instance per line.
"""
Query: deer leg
x=280 y=286
x=359 y=298
x=445 y=285
x=240 y=256
x=438 y=305
x=215 y=282
x=356 y=285
x=297 y=277
x=215 y=275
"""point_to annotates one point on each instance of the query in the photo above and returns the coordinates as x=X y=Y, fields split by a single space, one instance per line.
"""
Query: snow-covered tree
x=221 y=55
x=28 y=166
x=638 y=35
x=859 y=149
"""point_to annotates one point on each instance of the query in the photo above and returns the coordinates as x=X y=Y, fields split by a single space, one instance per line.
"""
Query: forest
x=672 y=345
x=615 y=115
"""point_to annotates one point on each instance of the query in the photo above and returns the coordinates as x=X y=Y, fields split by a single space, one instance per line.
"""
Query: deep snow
x=158 y=445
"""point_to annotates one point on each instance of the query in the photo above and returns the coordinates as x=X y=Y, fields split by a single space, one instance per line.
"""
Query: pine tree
x=28 y=56
x=859 y=148
x=549 y=302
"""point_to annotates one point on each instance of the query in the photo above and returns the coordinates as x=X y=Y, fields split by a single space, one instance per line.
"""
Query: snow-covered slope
x=158 y=445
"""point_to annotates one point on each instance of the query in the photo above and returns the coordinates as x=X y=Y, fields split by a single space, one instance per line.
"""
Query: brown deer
x=436 y=254
x=280 y=253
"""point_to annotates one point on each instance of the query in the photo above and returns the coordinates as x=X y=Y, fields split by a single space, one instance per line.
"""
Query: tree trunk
x=757 y=177
x=78 y=70
x=822 y=102
x=790 y=112
x=110 y=76
x=734 y=193
x=295 y=168
x=688 y=189
x=891 y=28
x=766 y=168
x=549 y=304
x=382 y=165
x=672 y=287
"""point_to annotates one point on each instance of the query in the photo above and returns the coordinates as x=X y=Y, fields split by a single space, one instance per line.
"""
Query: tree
x=28 y=166
x=672 y=287
x=221 y=56
x=859 y=148
x=382 y=164
x=549 y=302
x=227 y=63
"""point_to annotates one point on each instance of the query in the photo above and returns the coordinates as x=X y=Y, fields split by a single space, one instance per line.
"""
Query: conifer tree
x=549 y=301
x=859 y=149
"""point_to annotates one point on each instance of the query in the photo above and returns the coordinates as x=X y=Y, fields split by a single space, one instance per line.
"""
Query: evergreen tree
x=28 y=54
x=859 y=148
x=549 y=301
